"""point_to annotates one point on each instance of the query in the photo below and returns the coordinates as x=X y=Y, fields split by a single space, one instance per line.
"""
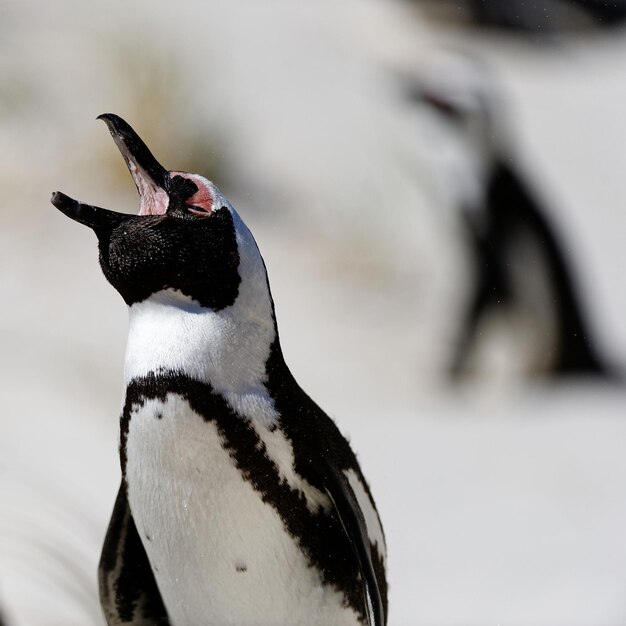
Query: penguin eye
x=197 y=210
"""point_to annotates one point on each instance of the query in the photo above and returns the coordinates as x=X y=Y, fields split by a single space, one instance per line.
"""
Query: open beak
x=152 y=180
x=86 y=214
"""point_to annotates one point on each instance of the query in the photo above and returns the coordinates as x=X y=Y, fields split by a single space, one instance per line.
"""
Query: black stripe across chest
x=319 y=534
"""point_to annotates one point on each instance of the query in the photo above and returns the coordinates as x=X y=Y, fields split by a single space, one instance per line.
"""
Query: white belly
x=220 y=555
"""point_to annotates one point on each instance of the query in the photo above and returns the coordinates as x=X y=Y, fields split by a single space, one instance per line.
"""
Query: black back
x=128 y=592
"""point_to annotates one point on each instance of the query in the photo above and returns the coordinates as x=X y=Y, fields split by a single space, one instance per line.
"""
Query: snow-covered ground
x=502 y=505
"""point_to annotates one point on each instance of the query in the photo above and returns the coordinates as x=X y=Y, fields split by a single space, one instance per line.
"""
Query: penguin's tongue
x=153 y=200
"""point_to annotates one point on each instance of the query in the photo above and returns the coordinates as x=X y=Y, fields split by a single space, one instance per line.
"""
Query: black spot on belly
x=241 y=567
x=159 y=415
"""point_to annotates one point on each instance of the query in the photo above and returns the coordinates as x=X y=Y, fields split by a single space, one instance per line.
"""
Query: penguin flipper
x=128 y=591
x=349 y=512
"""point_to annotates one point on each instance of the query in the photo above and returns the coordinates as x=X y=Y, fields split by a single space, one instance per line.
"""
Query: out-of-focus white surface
x=499 y=508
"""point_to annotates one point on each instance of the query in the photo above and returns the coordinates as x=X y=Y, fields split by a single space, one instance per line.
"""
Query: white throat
x=227 y=349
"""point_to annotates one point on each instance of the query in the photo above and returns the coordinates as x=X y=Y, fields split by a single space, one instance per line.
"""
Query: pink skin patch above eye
x=202 y=200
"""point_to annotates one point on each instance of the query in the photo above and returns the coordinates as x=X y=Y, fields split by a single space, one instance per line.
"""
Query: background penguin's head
x=187 y=238
x=462 y=92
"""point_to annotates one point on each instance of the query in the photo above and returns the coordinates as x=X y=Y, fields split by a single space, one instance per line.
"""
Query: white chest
x=219 y=553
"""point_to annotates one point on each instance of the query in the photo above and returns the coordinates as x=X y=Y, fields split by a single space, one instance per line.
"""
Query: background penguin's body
x=546 y=16
x=520 y=267
x=520 y=263
x=241 y=503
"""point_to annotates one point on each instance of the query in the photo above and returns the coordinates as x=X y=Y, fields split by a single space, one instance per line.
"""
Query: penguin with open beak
x=241 y=502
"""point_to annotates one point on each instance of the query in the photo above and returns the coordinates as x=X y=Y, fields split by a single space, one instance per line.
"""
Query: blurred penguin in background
x=522 y=295
x=546 y=16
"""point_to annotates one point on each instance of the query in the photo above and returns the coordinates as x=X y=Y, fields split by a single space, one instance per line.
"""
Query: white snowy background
x=504 y=502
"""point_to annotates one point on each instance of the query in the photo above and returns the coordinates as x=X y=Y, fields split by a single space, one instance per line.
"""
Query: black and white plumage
x=521 y=268
x=241 y=503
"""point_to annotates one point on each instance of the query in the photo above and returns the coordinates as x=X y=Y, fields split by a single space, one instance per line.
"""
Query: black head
x=184 y=238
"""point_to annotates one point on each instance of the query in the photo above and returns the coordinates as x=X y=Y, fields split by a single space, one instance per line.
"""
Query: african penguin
x=241 y=503
x=520 y=266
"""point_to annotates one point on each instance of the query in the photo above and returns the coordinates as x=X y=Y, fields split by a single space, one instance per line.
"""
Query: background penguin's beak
x=86 y=214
